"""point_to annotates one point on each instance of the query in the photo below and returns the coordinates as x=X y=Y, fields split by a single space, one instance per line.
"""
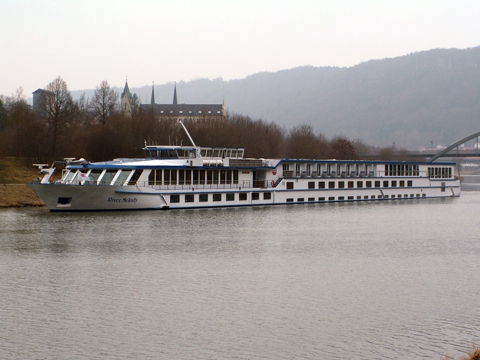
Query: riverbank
x=14 y=175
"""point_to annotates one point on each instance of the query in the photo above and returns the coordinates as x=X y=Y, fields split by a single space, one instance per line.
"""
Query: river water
x=380 y=280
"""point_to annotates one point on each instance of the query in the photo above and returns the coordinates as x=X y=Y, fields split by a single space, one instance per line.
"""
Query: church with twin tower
x=130 y=104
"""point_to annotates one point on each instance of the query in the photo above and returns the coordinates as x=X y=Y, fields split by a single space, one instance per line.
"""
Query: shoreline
x=18 y=196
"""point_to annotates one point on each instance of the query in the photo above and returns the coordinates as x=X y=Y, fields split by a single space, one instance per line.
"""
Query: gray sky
x=87 y=41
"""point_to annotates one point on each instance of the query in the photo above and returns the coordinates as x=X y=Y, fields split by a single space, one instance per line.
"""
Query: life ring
x=272 y=183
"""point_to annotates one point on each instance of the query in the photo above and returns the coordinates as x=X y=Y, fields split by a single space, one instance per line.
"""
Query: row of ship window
x=359 y=197
x=440 y=172
x=328 y=170
x=243 y=196
x=351 y=184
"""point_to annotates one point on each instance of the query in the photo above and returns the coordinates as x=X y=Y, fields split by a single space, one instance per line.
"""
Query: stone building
x=40 y=98
x=129 y=102
x=185 y=112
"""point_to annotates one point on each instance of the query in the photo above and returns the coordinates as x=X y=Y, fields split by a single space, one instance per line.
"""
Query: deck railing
x=240 y=184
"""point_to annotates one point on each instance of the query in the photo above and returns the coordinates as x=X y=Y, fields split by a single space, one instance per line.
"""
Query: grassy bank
x=14 y=174
x=473 y=354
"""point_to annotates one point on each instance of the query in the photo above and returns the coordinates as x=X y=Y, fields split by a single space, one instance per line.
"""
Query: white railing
x=241 y=184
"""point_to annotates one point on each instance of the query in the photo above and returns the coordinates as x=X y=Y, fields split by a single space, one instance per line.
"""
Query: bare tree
x=3 y=113
x=104 y=103
x=17 y=112
x=302 y=143
x=342 y=149
x=58 y=109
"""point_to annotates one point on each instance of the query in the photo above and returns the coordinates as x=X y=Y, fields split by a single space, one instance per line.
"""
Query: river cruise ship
x=175 y=177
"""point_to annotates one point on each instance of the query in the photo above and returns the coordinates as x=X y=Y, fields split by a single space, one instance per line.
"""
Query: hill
x=412 y=100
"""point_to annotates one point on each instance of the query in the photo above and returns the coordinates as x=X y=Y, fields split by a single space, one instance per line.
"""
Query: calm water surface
x=385 y=280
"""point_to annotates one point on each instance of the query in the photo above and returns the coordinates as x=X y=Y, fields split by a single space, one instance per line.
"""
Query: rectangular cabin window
x=166 y=176
x=174 y=198
x=359 y=184
x=350 y=184
x=369 y=184
x=155 y=177
x=331 y=198
x=331 y=184
x=173 y=177
x=289 y=185
x=377 y=184
x=107 y=178
x=311 y=199
x=410 y=183
x=230 y=197
x=195 y=177
x=242 y=196
x=255 y=196
x=402 y=183
x=301 y=200
x=289 y=200
x=321 y=199
x=122 y=177
x=297 y=170
x=394 y=183
x=203 y=197
x=189 y=198
x=94 y=175
x=69 y=176
x=321 y=184
x=217 y=197
x=385 y=184
x=311 y=184
x=267 y=196
x=181 y=177
x=341 y=184
x=133 y=179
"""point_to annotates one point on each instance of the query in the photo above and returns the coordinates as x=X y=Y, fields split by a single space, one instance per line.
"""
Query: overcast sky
x=87 y=41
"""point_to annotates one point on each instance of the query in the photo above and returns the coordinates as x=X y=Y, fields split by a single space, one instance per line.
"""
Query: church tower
x=152 y=100
x=126 y=101
x=175 y=94
x=129 y=103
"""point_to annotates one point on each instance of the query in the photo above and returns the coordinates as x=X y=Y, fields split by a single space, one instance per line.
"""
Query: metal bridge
x=456 y=145
x=447 y=152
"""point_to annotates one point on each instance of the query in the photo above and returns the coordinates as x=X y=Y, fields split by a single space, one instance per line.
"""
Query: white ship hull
x=66 y=197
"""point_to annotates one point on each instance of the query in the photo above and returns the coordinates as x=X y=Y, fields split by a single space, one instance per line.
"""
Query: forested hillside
x=411 y=100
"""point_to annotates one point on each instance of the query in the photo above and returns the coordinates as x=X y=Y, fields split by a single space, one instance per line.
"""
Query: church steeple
x=126 y=90
x=175 y=94
x=152 y=101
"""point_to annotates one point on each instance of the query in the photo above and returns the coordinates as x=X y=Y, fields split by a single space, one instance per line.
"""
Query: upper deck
x=191 y=152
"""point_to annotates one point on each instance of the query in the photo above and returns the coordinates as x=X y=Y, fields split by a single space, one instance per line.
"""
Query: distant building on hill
x=40 y=98
x=185 y=112
x=129 y=102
